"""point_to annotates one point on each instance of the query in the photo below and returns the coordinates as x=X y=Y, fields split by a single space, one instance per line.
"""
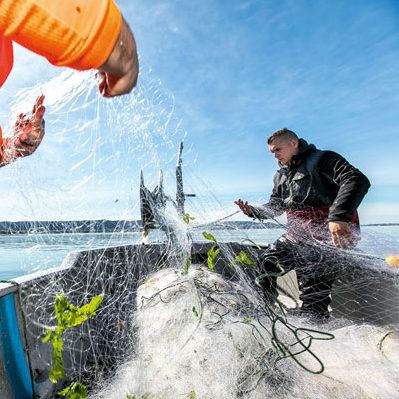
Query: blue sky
x=222 y=76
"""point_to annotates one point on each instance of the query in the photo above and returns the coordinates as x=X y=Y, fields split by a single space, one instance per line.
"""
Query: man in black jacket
x=320 y=192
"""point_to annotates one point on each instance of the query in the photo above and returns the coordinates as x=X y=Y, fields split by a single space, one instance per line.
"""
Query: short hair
x=284 y=133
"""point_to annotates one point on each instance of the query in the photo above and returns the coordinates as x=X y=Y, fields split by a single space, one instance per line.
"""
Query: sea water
x=23 y=254
x=27 y=253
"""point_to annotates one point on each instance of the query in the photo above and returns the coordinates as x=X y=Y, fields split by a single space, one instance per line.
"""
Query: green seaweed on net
x=195 y=311
x=187 y=218
x=68 y=316
x=213 y=252
x=75 y=391
x=146 y=395
x=243 y=258
x=187 y=264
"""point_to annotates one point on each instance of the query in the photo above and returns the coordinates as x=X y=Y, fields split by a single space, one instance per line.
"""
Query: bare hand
x=341 y=235
x=244 y=207
x=29 y=131
x=118 y=75
x=28 y=134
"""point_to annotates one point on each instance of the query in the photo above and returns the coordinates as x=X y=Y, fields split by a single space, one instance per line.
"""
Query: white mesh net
x=164 y=333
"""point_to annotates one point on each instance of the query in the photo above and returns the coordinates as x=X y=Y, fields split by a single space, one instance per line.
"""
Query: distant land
x=101 y=226
x=71 y=226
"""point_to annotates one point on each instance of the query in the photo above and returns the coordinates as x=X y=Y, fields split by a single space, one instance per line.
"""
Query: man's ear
x=295 y=143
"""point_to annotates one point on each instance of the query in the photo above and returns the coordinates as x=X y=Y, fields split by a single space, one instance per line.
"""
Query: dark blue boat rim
x=13 y=354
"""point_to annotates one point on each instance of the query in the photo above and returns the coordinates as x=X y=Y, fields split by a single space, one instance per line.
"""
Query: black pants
x=316 y=269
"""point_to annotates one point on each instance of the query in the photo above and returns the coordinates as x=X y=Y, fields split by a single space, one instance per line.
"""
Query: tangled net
x=168 y=328
x=209 y=334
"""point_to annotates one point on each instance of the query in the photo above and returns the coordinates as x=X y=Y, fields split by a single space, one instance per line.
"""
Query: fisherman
x=320 y=193
x=82 y=35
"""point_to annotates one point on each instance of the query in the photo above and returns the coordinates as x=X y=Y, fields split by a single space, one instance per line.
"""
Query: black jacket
x=316 y=179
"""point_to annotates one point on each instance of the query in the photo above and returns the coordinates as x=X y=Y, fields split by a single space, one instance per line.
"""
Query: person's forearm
x=265 y=211
x=271 y=209
x=353 y=186
x=122 y=62
x=347 y=201
x=79 y=34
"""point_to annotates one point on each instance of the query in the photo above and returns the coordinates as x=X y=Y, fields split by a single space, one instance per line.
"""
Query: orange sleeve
x=6 y=61
x=79 y=34
x=6 y=58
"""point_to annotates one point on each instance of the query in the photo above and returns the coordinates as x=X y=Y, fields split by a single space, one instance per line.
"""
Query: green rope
x=285 y=350
x=282 y=348
x=381 y=341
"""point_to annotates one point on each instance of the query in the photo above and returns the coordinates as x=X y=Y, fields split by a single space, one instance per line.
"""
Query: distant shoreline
x=379 y=224
x=71 y=226
x=101 y=226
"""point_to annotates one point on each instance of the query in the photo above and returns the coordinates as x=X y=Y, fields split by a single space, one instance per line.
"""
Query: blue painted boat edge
x=13 y=353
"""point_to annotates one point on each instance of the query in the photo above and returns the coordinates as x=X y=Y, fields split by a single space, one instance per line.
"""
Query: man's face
x=283 y=150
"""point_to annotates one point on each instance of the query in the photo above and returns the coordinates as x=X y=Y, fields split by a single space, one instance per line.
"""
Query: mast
x=180 y=197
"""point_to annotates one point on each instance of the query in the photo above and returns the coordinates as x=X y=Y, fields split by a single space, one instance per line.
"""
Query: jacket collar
x=304 y=150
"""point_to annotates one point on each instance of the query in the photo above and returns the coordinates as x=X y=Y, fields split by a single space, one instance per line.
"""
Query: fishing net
x=166 y=329
x=185 y=314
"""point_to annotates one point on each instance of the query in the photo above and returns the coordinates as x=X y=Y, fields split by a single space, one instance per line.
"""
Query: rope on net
x=303 y=337
x=280 y=346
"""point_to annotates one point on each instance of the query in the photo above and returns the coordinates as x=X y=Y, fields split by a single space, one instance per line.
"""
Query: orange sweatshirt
x=79 y=34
